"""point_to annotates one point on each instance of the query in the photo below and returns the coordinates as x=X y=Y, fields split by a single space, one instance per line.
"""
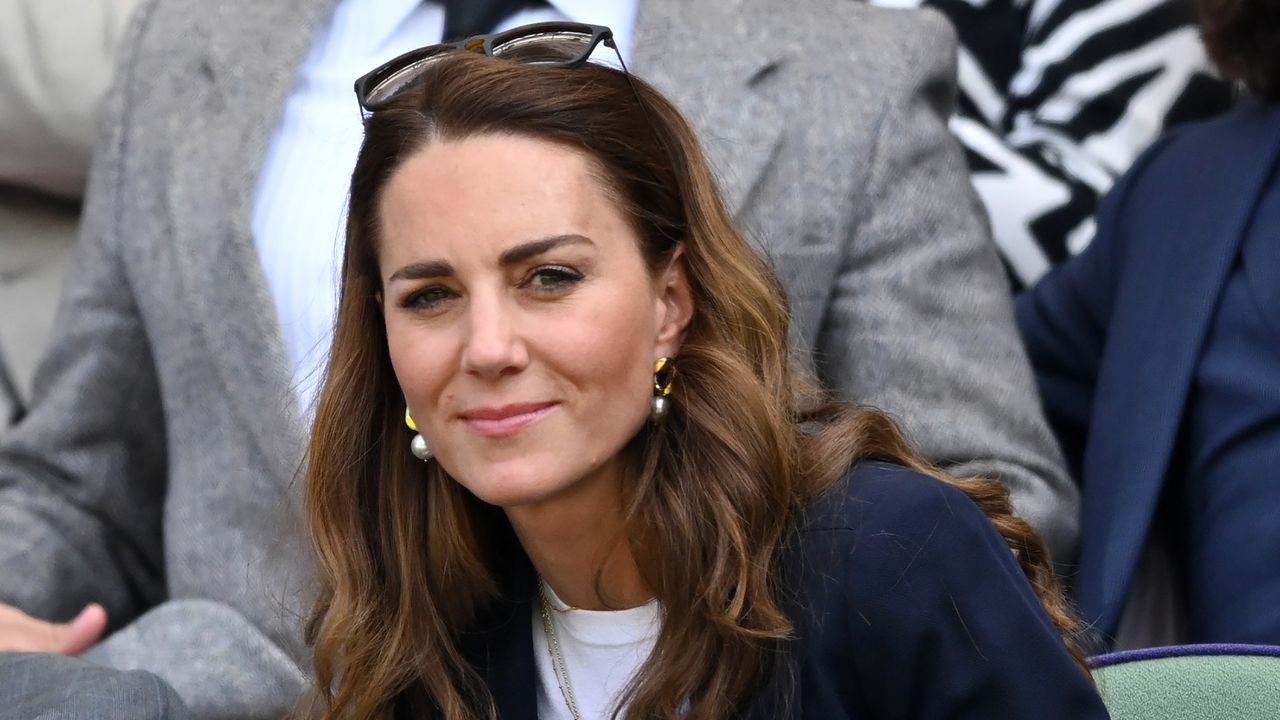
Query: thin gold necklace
x=557 y=657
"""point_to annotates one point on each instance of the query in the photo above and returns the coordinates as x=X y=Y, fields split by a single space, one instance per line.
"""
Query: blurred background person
x=1158 y=355
x=1057 y=98
x=56 y=62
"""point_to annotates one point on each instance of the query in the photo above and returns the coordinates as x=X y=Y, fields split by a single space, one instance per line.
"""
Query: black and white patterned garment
x=1057 y=98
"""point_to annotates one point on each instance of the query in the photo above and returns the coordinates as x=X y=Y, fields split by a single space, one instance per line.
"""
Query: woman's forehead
x=482 y=194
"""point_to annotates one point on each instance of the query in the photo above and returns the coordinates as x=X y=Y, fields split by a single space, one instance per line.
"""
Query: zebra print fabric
x=1057 y=98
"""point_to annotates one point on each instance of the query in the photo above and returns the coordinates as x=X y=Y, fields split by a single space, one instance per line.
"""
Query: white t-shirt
x=602 y=650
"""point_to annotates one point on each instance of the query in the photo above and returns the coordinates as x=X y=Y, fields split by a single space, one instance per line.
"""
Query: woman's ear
x=674 y=305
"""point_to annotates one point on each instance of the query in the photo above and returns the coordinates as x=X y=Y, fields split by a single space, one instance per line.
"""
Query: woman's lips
x=497 y=422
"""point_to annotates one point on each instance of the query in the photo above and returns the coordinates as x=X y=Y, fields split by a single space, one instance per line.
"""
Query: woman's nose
x=493 y=345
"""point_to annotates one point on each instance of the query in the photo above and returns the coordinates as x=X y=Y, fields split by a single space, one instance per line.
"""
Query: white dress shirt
x=299 y=206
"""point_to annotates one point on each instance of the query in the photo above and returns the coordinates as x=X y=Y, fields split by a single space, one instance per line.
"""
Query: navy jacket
x=1118 y=336
x=910 y=605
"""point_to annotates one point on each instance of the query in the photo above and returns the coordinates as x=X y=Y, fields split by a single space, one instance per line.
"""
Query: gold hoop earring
x=418 y=445
x=664 y=380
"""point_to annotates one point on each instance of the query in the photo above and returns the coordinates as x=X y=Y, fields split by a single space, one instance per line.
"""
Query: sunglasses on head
x=376 y=89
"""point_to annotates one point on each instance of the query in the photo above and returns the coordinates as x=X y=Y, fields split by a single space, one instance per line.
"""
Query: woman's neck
x=574 y=537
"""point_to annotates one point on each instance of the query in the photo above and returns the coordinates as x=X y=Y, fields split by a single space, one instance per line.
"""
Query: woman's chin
x=535 y=477
x=511 y=489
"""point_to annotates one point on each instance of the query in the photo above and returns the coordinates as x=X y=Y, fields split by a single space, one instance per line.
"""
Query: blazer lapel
x=511 y=673
x=239 y=93
x=694 y=53
x=1164 y=304
x=502 y=649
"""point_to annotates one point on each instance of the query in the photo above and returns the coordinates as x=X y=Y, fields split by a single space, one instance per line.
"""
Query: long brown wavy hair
x=409 y=560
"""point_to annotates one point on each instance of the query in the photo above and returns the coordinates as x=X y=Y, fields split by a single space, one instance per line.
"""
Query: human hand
x=19 y=632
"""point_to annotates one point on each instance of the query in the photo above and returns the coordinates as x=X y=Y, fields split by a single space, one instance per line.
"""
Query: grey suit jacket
x=157 y=472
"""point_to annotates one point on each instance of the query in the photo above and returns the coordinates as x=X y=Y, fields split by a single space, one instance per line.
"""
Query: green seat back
x=1192 y=687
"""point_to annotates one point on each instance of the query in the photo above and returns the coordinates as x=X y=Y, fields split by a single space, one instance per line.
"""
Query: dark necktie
x=464 y=18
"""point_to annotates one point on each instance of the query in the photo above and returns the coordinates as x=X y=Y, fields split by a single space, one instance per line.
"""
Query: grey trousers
x=57 y=687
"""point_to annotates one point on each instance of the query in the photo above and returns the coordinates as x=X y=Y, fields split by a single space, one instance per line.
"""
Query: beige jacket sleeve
x=56 y=62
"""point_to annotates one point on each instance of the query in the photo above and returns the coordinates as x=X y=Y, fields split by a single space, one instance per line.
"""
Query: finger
x=19 y=632
x=81 y=633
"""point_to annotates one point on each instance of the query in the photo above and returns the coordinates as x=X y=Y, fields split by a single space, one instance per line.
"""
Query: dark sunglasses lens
x=395 y=81
x=555 y=47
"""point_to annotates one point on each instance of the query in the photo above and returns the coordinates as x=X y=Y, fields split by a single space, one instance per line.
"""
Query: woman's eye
x=551 y=278
x=426 y=298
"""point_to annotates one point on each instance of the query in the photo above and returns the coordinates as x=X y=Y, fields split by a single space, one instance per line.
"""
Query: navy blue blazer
x=1117 y=334
x=909 y=605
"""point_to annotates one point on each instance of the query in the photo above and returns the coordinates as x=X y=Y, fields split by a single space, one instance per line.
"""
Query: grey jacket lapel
x=711 y=59
x=252 y=56
x=696 y=53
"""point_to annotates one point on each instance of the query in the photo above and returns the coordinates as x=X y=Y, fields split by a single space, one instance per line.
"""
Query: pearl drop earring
x=418 y=446
x=664 y=376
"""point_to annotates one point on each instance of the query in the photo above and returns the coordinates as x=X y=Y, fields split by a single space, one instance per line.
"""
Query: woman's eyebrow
x=534 y=248
x=422 y=271
x=428 y=269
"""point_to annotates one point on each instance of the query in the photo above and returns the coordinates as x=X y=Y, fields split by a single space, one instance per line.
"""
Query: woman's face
x=522 y=320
